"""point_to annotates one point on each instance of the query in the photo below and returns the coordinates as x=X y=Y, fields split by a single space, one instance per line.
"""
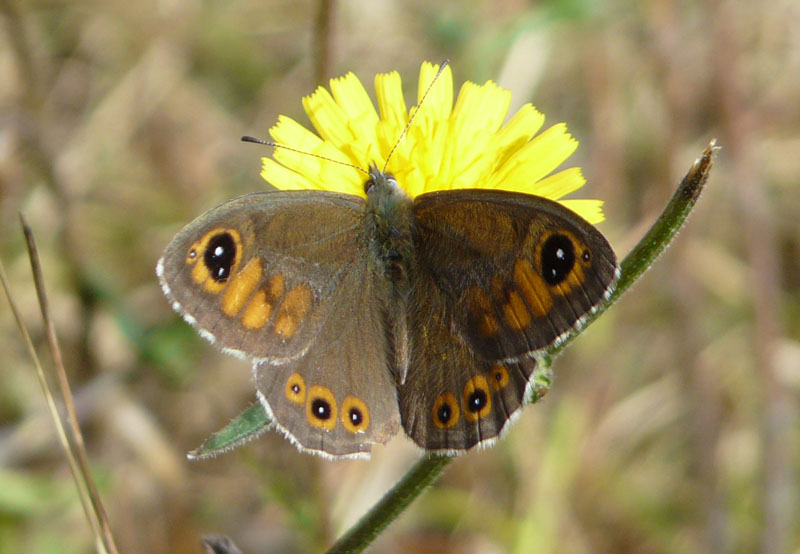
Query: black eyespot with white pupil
x=477 y=401
x=444 y=413
x=296 y=388
x=557 y=259
x=321 y=409
x=356 y=417
x=220 y=255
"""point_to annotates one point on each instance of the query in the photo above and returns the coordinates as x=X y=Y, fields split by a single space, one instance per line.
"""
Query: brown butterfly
x=364 y=315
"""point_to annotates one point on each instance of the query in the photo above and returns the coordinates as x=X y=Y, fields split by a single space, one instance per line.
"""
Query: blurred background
x=672 y=425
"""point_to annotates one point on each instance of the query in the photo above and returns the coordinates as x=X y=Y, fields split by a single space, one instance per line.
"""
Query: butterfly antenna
x=290 y=149
x=444 y=64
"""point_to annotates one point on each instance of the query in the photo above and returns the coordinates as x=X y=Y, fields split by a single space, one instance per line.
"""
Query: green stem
x=660 y=235
x=638 y=260
x=422 y=474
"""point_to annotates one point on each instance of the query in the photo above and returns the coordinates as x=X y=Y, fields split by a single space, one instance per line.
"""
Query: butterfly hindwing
x=453 y=398
x=339 y=398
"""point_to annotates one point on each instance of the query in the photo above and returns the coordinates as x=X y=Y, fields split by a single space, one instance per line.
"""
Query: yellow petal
x=287 y=131
x=350 y=95
x=590 y=210
x=481 y=107
x=536 y=159
x=391 y=103
x=328 y=118
x=517 y=132
x=439 y=100
x=282 y=177
x=559 y=184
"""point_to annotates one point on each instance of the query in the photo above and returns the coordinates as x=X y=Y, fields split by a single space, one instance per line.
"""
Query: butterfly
x=364 y=315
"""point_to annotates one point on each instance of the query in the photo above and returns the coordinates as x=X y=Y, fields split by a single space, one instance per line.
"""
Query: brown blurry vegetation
x=672 y=425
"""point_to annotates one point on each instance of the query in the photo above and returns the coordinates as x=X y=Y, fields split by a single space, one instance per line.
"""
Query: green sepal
x=541 y=380
x=249 y=425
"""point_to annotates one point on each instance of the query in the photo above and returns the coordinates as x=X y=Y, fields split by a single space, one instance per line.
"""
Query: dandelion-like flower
x=468 y=145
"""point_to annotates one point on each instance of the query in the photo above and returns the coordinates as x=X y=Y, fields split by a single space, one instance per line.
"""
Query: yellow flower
x=446 y=147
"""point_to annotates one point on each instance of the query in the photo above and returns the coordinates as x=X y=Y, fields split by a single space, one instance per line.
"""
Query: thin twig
x=322 y=41
x=76 y=449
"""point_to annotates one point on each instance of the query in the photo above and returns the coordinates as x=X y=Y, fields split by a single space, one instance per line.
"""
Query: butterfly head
x=384 y=193
x=381 y=183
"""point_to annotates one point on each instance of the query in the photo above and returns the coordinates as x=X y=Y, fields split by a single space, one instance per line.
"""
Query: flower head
x=466 y=145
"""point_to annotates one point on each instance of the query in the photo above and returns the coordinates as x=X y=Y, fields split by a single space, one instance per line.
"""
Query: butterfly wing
x=303 y=302
x=498 y=277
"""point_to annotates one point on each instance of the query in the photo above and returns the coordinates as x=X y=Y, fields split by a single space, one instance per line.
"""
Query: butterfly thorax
x=389 y=220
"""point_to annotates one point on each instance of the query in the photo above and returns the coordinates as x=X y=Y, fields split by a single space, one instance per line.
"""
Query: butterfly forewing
x=252 y=280
x=524 y=270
